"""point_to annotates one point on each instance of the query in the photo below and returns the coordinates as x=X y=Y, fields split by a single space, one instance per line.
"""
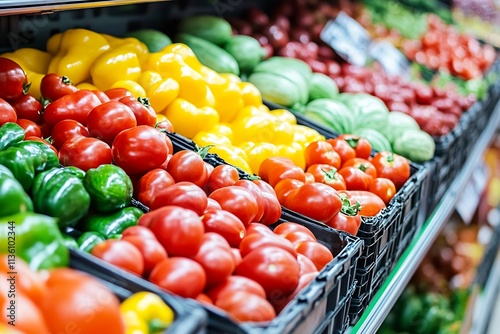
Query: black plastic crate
x=190 y=318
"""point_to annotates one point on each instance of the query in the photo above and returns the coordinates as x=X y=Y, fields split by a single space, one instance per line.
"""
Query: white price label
x=469 y=199
x=392 y=60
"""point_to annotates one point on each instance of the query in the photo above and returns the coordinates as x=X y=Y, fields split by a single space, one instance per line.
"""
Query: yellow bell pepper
x=186 y=54
x=222 y=129
x=231 y=77
x=250 y=94
x=145 y=312
x=284 y=116
x=77 y=50
x=35 y=64
x=53 y=43
x=211 y=77
x=188 y=120
x=149 y=78
x=232 y=155
x=204 y=138
x=294 y=152
x=139 y=48
x=228 y=100
x=132 y=86
x=160 y=118
x=311 y=135
x=86 y=85
x=283 y=133
x=253 y=128
x=259 y=153
x=162 y=93
x=250 y=111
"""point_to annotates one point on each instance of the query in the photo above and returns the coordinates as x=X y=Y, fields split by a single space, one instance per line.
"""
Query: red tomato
x=28 y=107
x=383 y=188
x=152 y=251
x=244 y=306
x=30 y=320
x=285 y=187
x=139 y=150
x=236 y=256
x=298 y=236
x=222 y=176
x=236 y=283
x=307 y=266
x=343 y=149
x=181 y=276
x=121 y=254
x=272 y=267
x=237 y=200
x=188 y=166
x=144 y=113
x=318 y=253
x=65 y=130
x=115 y=94
x=179 y=231
x=259 y=229
x=393 y=167
x=321 y=152
x=226 y=224
x=53 y=86
x=187 y=195
x=7 y=113
x=288 y=227
x=315 y=200
x=203 y=298
x=101 y=96
x=140 y=231
x=304 y=280
x=151 y=184
x=254 y=241
x=42 y=141
x=28 y=282
x=30 y=128
x=85 y=153
x=13 y=80
x=363 y=164
x=328 y=175
x=272 y=211
x=217 y=261
x=310 y=177
x=257 y=194
x=216 y=239
x=75 y=106
x=273 y=170
x=212 y=205
x=355 y=178
x=107 y=120
x=209 y=168
x=165 y=125
x=345 y=222
x=370 y=203
x=361 y=146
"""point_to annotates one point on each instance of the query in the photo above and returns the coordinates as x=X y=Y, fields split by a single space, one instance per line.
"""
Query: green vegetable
x=88 y=240
x=109 y=187
x=59 y=193
x=369 y=111
x=43 y=156
x=155 y=40
x=111 y=224
x=291 y=63
x=415 y=145
x=38 y=240
x=322 y=86
x=276 y=88
x=211 y=28
x=397 y=123
x=332 y=114
x=10 y=133
x=21 y=163
x=210 y=54
x=12 y=195
x=376 y=139
x=246 y=50
x=69 y=242
x=75 y=171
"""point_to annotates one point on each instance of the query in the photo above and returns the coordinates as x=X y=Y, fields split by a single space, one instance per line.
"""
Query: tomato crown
x=65 y=80
x=353 y=142
x=329 y=174
x=348 y=208
x=144 y=101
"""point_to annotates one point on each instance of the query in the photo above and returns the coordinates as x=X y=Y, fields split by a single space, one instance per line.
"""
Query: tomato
x=183 y=194
x=383 y=188
x=244 y=306
x=28 y=282
x=65 y=130
x=272 y=267
x=273 y=170
x=7 y=113
x=107 y=120
x=27 y=107
x=298 y=236
x=42 y=141
x=75 y=106
x=101 y=96
x=226 y=224
x=285 y=187
x=343 y=149
x=306 y=265
x=28 y=320
x=217 y=261
x=212 y=205
x=304 y=280
x=355 y=178
x=121 y=254
x=363 y=164
x=152 y=251
x=272 y=207
x=209 y=168
x=203 y=298
x=188 y=166
x=85 y=153
x=370 y=203
x=13 y=80
x=328 y=175
x=257 y=194
x=236 y=283
x=181 y=276
x=315 y=200
x=53 y=86
x=30 y=128
x=237 y=200
x=288 y=227
x=141 y=231
x=165 y=125
x=139 y=150
x=254 y=241
x=222 y=176
x=116 y=94
x=361 y=146
x=258 y=229
x=345 y=222
x=236 y=256
x=316 y=252
x=179 y=231
x=321 y=152
x=151 y=184
x=216 y=239
x=393 y=167
x=144 y=113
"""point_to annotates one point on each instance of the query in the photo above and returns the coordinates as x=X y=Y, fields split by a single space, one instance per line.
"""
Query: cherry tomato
x=361 y=146
x=355 y=178
x=236 y=283
x=7 y=113
x=85 y=153
x=179 y=231
x=272 y=207
x=53 y=86
x=65 y=130
x=343 y=149
x=315 y=200
x=30 y=128
x=321 y=152
x=285 y=187
x=254 y=241
x=144 y=113
x=28 y=107
x=328 y=175
x=151 y=183
x=306 y=265
x=245 y=306
x=152 y=251
x=115 y=94
x=226 y=224
x=217 y=262
x=13 y=80
x=188 y=166
x=42 y=141
x=212 y=205
x=393 y=167
x=107 y=120
x=222 y=176
x=370 y=203
x=383 y=188
x=363 y=164
x=140 y=149
x=237 y=200
x=181 y=276
x=121 y=254
x=316 y=252
x=141 y=231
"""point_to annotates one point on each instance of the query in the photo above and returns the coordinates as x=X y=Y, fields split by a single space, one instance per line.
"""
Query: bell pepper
x=149 y=78
x=258 y=128
x=87 y=86
x=10 y=133
x=259 y=153
x=37 y=240
x=43 y=157
x=12 y=195
x=60 y=193
x=109 y=187
x=21 y=163
x=228 y=100
x=76 y=171
x=185 y=53
x=76 y=51
x=233 y=156
x=188 y=120
x=111 y=224
x=284 y=116
x=88 y=240
x=204 y=138
x=162 y=93
x=140 y=49
x=145 y=312
x=132 y=86
x=250 y=94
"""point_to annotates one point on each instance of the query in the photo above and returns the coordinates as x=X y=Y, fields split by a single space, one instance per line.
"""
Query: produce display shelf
x=398 y=279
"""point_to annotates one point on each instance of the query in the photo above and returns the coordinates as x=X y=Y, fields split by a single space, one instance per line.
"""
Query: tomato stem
x=203 y=151
x=353 y=142
x=349 y=209
x=390 y=157
x=329 y=174
x=65 y=80
x=144 y=101
x=363 y=168
x=26 y=87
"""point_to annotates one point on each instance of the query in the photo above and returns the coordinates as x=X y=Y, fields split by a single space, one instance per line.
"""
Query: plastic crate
x=489 y=257
x=190 y=318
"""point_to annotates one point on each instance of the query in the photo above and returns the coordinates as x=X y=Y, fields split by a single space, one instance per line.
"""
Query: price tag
x=348 y=38
x=469 y=199
x=392 y=60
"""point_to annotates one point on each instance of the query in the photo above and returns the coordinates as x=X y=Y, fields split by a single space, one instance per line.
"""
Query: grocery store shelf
x=12 y=7
x=485 y=305
x=390 y=291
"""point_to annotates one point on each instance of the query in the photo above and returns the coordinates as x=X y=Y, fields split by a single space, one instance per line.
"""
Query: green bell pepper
x=59 y=193
x=76 y=171
x=36 y=239
x=43 y=156
x=109 y=224
x=10 y=133
x=88 y=240
x=110 y=188
x=12 y=196
x=21 y=163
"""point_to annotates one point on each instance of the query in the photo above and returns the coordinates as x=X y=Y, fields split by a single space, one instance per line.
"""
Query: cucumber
x=211 y=28
x=322 y=86
x=246 y=50
x=210 y=54
x=276 y=88
x=155 y=40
